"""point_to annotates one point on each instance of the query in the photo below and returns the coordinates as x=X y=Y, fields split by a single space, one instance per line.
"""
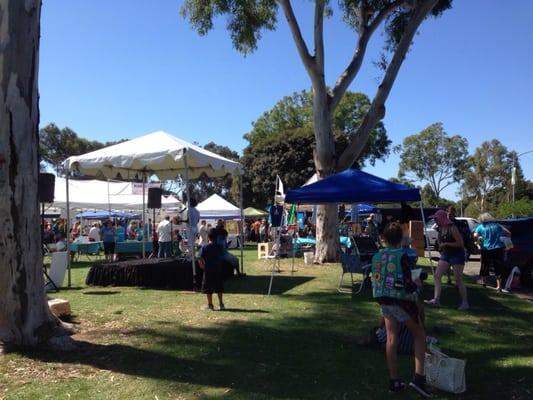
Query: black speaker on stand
x=154 y=201
x=46 y=189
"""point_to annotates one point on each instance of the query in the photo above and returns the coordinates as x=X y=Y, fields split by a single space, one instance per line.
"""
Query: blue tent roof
x=351 y=186
x=104 y=214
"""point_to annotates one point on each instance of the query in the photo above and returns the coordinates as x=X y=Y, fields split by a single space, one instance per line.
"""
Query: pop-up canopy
x=157 y=153
x=215 y=207
x=351 y=186
x=105 y=214
x=95 y=194
x=251 y=212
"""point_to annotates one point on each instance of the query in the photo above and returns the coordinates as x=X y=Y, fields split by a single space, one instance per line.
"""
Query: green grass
x=296 y=344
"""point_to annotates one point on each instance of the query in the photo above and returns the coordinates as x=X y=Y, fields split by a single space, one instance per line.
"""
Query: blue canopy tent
x=105 y=214
x=352 y=186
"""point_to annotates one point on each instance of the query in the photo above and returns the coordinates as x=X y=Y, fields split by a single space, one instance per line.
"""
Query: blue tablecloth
x=86 y=248
x=133 y=246
x=298 y=242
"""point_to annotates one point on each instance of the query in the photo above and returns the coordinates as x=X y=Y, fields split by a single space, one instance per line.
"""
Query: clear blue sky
x=120 y=69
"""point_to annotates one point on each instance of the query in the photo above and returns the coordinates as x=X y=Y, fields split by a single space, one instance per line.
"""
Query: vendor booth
x=157 y=153
x=352 y=186
x=214 y=208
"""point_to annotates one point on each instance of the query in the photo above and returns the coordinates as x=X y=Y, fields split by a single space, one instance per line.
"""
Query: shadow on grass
x=101 y=292
x=244 y=310
x=310 y=354
x=258 y=284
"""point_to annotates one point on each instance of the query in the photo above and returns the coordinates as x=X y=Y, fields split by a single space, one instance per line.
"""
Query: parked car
x=521 y=255
x=465 y=225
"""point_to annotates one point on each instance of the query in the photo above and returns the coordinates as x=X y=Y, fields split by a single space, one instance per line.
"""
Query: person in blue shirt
x=121 y=232
x=108 y=234
x=489 y=233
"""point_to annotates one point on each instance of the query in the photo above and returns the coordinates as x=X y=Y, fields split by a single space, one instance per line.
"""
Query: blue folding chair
x=351 y=264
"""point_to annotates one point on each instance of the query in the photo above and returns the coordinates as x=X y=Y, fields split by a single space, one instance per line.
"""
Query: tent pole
x=426 y=240
x=293 y=239
x=242 y=223
x=68 y=231
x=143 y=216
x=108 y=197
x=190 y=239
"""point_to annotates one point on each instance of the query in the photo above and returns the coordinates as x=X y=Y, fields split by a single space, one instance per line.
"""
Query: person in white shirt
x=164 y=232
x=203 y=232
x=94 y=233
x=193 y=218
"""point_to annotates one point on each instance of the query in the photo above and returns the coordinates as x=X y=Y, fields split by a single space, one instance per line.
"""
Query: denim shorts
x=456 y=257
x=396 y=312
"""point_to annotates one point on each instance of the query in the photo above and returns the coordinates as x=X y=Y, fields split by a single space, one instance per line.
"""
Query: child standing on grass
x=395 y=292
x=211 y=263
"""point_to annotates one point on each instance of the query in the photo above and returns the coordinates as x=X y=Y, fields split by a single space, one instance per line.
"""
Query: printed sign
x=137 y=188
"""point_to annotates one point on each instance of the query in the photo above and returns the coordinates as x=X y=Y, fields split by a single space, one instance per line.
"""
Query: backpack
x=464 y=230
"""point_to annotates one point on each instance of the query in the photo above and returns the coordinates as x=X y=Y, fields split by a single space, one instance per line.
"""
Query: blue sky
x=123 y=68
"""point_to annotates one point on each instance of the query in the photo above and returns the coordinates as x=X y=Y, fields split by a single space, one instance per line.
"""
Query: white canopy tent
x=215 y=207
x=102 y=195
x=157 y=153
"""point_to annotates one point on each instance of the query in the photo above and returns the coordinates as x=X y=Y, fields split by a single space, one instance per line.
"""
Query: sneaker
x=396 y=386
x=222 y=307
x=208 y=307
x=421 y=388
x=463 y=307
x=505 y=291
x=433 y=302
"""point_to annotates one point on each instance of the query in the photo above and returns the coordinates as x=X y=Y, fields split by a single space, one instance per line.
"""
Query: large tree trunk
x=327 y=238
x=25 y=318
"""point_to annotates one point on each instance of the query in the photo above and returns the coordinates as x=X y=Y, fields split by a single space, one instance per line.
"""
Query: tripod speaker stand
x=46 y=195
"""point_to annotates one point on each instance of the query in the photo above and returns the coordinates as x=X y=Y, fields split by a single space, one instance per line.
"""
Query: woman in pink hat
x=452 y=253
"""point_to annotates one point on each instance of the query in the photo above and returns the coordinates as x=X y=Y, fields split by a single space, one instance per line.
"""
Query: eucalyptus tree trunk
x=25 y=318
x=327 y=243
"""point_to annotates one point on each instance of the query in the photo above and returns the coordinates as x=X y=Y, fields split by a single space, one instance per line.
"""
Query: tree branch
x=307 y=60
x=377 y=108
x=365 y=32
x=319 y=35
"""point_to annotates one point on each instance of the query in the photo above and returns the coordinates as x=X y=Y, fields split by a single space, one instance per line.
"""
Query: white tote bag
x=444 y=372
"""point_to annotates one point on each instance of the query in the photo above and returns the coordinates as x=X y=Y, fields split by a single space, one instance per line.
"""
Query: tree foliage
x=520 y=208
x=56 y=145
x=205 y=186
x=296 y=112
x=282 y=143
x=489 y=173
x=434 y=157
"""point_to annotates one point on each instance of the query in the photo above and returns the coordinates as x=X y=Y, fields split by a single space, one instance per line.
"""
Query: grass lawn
x=296 y=344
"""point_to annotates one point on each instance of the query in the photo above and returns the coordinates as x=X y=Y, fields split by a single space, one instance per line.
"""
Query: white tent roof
x=93 y=194
x=157 y=153
x=216 y=207
x=313 y=179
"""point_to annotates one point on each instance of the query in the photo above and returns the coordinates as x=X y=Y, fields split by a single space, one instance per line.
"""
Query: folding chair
x=351 y=263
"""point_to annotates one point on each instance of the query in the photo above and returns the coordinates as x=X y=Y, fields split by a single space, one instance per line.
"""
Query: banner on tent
x=137 y=188
x=232 y=227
